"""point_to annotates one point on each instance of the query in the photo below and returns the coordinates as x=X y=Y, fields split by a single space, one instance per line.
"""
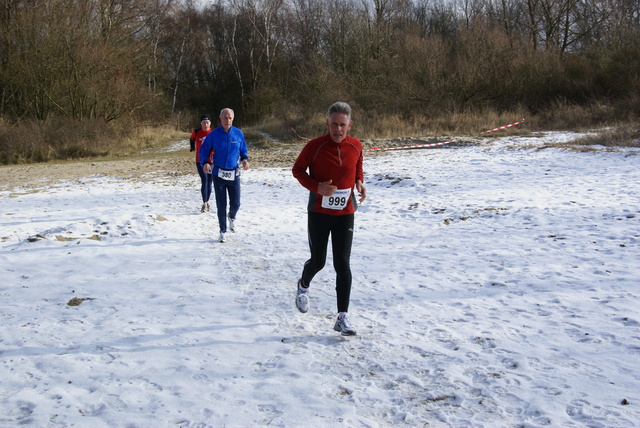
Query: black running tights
x=320 y=226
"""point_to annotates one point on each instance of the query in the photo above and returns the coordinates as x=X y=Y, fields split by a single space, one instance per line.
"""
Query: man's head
x=339 y=121
x=226 y=118
x=205 y=121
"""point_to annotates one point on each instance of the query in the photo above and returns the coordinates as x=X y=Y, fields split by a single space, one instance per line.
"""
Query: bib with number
x=227 y=174
x=338 y=200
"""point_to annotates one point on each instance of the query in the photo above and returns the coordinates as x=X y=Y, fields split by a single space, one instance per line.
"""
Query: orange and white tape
x=420 y=146
x=298 y=135
x=504 y=127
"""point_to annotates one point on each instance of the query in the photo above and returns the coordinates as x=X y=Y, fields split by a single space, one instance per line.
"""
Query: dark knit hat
x=205 y=117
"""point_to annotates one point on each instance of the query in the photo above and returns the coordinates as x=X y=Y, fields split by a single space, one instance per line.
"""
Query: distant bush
x=33 y=141
x=375 y=125
x=627 y=135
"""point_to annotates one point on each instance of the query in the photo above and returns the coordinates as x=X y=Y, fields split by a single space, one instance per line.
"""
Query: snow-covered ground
x=494 y=286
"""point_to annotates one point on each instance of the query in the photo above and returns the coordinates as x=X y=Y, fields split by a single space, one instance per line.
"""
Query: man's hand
x=326 y=188
x=207 y=168
x=245 y=164
x=362 y=191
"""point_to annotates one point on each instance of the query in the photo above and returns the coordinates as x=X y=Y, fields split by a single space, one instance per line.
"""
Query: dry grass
x=565 y=116
x=148 y=138
x=294 y=129
x=378 y=126
x=63 y=139
x=625 y=135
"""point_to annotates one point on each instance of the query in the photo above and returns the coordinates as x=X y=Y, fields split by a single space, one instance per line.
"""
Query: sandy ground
x=15 y=178
x=18 y=178
x=174 y=160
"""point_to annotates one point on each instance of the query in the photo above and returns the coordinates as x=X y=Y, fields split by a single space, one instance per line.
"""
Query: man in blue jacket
x=229 y=152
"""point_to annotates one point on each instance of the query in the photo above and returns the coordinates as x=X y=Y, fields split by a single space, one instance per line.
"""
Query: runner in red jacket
x=330 y=167
x=206 y=180
x=331 y=164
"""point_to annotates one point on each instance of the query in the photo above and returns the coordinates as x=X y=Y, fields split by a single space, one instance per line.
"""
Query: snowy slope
x=493 y=286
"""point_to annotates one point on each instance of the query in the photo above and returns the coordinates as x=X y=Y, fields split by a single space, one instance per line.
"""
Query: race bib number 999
x=338 y=200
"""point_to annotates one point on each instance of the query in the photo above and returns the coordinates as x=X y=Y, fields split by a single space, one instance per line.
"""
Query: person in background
x=330 y=167
x=206 y=180
x=229 y=149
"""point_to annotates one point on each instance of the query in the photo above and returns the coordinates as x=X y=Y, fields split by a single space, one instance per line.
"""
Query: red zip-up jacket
x=327 y=160
x=197 y=137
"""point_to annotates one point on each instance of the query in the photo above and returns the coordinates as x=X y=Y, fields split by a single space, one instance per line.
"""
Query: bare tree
x=69 y=56
x=265 y=20
x=231 y=47
x=306 y=30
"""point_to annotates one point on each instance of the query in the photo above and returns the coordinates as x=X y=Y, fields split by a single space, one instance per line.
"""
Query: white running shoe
x=232 y=224
x=205 y=208
x=344 y=326
x=222 y=238
x=302 y=299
